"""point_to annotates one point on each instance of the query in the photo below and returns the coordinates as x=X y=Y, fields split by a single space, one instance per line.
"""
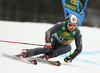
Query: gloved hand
x=68 y=59
x=47 y=40
x=48 y=45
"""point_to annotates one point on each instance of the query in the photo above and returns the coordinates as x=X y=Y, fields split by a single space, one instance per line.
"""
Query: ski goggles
x=70 y=25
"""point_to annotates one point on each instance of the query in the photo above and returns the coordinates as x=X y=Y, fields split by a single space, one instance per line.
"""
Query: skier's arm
x=53 y=29
x=78 y=42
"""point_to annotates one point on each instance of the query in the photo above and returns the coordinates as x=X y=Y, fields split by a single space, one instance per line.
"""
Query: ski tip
x=34 y=62
x=57 y=63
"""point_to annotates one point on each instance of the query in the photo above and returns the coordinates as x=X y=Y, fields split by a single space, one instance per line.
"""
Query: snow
x=87 y=62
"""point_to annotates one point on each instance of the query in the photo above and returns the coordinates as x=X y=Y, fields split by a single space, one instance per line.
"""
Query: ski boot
x=23 y=54
x=46 y=56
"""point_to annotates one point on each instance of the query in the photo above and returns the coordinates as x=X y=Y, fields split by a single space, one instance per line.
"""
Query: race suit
x=60 y=38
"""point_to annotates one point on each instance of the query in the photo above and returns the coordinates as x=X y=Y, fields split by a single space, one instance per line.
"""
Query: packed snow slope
x=87 y=62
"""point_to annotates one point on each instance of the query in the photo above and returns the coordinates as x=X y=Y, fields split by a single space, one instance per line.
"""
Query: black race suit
x=58 y=48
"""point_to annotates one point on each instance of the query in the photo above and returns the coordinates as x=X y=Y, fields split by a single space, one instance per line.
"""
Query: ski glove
x=48 y=45
x=68 y=59
x=47 y=40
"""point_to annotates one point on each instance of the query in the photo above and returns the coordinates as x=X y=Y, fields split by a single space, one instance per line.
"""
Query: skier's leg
x=54 y=44
x=32 y=52
x=61 y=50
x=58 y=51
x=37 y=51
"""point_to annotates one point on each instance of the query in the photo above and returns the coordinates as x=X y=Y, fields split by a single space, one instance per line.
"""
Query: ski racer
x=58 y=39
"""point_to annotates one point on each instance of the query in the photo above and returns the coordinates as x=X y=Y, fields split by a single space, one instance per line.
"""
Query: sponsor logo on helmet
x=73 y=19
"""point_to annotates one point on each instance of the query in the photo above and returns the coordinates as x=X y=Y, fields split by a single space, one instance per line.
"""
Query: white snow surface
x=87 y=62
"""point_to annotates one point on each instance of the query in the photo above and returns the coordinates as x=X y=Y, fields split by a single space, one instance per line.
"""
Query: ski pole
x=21 y=43
x=70 y=53
x=25 y=44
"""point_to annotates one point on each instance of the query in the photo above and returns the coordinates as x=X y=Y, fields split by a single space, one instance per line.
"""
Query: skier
x=58 y=39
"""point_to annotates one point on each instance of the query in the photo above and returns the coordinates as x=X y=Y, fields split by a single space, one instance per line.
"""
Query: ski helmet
x=72 y=19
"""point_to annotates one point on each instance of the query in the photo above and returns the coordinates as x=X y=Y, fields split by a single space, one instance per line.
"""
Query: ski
x=56 y=63
x=20 y=59
x=32 y=60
